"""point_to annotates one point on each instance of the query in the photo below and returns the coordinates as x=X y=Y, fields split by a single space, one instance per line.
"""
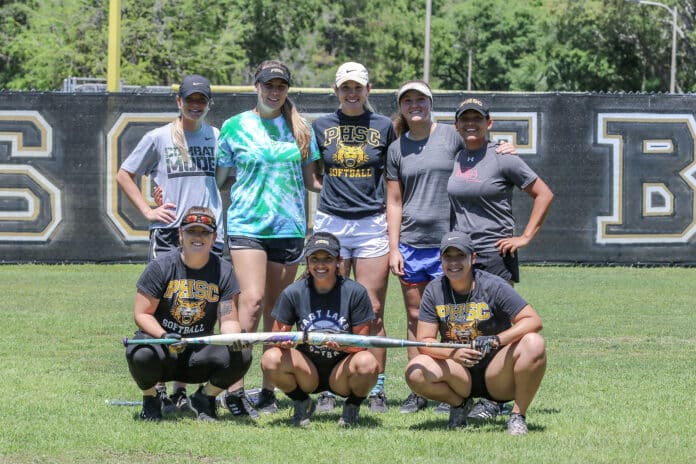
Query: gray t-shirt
x=488 y=310
x=423 y=167
x=480 y=190
x=184 y=183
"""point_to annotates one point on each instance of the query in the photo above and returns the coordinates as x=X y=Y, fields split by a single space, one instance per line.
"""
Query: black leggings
x=149 y=364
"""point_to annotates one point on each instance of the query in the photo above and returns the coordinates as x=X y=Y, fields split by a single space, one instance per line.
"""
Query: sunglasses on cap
x=199 y=219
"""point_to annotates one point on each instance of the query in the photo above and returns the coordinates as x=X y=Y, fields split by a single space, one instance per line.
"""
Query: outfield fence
x=622 y=168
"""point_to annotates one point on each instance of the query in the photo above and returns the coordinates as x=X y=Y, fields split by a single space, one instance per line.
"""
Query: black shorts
x=163 y=240
x=324 y=371
x=507 y=267
x=478 y=380
x=278 y=250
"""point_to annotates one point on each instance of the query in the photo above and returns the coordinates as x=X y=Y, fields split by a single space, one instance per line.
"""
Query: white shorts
x=360 y=238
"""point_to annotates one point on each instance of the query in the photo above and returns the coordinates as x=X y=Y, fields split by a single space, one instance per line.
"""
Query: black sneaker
x=152 y=408
x=180 y=400
x=204 y=406
x=378 y=402
x=168 y=406
x=484 y=409
x=267 y=402
x=350 y=415
x=457 y=416
x=239 y=405
x=413 y=403
x=303 y=412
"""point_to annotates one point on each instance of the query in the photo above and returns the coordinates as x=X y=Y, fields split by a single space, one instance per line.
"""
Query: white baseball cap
x=352 y=71
x=418 y=86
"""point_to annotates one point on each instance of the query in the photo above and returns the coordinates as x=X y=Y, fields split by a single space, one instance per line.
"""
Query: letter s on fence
x=30 y=204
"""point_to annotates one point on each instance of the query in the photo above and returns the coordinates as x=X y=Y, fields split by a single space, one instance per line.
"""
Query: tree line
x=520 y=45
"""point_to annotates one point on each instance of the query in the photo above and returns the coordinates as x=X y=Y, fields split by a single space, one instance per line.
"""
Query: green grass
x=619 y=386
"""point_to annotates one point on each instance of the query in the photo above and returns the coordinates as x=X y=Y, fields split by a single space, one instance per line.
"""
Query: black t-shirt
x=347 y=305
x=188 y=297
x=354 y=152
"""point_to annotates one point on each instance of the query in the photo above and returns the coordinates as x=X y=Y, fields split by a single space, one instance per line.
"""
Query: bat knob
x=125 y=341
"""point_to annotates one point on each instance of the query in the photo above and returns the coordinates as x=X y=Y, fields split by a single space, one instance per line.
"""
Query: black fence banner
x=622 y=168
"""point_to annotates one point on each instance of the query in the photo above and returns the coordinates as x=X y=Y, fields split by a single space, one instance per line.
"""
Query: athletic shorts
x=478 y=380
x=507 y=267
x=278 y=250
x=324 y=370
x=421 y=265
x=359 y=238
x=163 y=240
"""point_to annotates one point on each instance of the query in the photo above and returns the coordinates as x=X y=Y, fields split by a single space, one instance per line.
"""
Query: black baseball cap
x=272 y=72
x=195 y=84
x=198 y=216
x=323 y=241
x=473 y=103
x=459 y=240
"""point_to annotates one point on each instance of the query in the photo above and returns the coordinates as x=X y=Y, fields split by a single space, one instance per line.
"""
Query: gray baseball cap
x=459 y=240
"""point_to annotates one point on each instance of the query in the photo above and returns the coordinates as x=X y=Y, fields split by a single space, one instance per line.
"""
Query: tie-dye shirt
x=268 y=197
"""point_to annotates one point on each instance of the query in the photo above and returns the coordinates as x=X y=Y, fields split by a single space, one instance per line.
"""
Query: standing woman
x=418 y=166
x=273 y=151
x=179 y=157
x=353 y=142
x=480 y=189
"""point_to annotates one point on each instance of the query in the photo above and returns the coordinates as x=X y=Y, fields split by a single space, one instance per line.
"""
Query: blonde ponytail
x=180 y=139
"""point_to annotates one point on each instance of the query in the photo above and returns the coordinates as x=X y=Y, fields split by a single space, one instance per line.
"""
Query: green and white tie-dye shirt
x=268 y=198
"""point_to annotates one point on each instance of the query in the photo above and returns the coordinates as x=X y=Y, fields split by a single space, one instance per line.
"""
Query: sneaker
x=326 y=402
x=517 y=425
x=303 y=412
x=378 y=402
x=239 y=405
x=180 y=400
x=168 y=406
x=350 y=415
x=204 y=406
x=484 y=409
x=442 y=408
x=152 y=408
x=457 y=416
x=267 y=402
x=413 y=403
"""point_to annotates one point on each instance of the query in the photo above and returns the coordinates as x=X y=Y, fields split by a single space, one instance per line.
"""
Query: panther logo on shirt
x=350 y=156
x=188 y=311
x=461 y=332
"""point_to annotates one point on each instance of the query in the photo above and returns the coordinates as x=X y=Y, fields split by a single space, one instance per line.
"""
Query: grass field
x=619 y=387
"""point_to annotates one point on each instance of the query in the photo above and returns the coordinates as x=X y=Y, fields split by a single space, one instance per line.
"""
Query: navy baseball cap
x=477 y=104
x=459 y=240
x=323 y=241
x=195 y=84
x=198 y=216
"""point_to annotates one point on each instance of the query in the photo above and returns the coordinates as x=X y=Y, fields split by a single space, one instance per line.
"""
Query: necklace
x=467 y=296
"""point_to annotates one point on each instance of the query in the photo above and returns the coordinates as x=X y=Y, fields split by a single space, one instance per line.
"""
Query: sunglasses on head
x=199 y=219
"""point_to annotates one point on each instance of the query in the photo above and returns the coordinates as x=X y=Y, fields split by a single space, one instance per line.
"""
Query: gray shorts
x=507 y=267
